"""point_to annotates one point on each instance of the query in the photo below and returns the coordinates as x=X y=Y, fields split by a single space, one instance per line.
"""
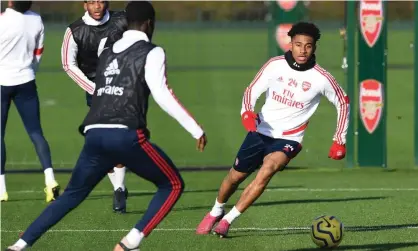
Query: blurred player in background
x=21 y=47
x=128 y=72
x=294 y=84
x=82 y=41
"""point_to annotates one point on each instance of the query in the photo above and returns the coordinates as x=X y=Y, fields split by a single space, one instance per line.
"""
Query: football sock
x=134 y=238
x=119 y=178
x=49 y=176
x=112 y=180
x=232 y=215
x=21 y=244
x=217 y=209
x=2 y=184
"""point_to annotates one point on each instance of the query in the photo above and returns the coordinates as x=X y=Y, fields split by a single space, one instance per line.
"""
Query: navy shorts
x=256 y=146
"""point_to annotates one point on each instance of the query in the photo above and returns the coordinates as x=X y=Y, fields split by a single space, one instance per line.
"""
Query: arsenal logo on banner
x=287 y=5
x=283 y=40
x=371 y=103
x=371 y=20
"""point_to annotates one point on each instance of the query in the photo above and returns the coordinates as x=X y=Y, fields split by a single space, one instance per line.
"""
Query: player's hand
x=248 y=119
x=337 y=151
x=201 y=143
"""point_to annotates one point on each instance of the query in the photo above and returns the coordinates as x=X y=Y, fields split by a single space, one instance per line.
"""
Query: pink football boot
x=222 y=228
x=207 y=223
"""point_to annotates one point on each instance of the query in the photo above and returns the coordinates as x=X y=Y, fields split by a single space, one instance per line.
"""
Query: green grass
x=209 y=71
x=384 y=203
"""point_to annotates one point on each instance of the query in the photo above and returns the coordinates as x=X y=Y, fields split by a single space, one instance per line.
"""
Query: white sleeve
x=69 y=52
x=39 y=48
x=259 y=85
x=155 y=76
x=336 y=95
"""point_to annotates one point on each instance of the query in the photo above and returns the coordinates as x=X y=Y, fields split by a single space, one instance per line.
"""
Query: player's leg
x=6 y=94
x=152 y=164
x=248 y=159
x=27 y=104
x=120 y=194
x=116 y=176
x=90 y=169
x=279 y=153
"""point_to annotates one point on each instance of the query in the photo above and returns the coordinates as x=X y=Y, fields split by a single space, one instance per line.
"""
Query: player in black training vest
x=83 y=39
x=116 y=131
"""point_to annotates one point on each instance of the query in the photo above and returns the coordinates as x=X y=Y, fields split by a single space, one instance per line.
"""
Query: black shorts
x=256 y=146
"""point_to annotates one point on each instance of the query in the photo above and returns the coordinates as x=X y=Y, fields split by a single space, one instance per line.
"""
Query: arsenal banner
x=372 y=43
x=371 y=21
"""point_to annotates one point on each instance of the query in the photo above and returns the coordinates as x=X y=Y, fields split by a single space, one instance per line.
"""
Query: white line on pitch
x=254 y=229
x=377 y=189
x=36 y=163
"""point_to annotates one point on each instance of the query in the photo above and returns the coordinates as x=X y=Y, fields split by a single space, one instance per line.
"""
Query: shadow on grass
x=281 y=202
x=212 y=190
x=306 y=230
x=370 y=247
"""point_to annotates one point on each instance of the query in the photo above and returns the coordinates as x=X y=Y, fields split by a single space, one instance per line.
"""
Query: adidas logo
x=112 y=69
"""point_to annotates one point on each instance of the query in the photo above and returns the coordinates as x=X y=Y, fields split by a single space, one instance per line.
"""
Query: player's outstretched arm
x=155 y=76
x=259 y=85
x=336 y=95
x=69 y=52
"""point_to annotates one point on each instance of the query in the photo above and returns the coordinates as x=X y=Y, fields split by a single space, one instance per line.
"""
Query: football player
x=21 y=40
x=114 y=134
x=83 y=39
x=294 y=84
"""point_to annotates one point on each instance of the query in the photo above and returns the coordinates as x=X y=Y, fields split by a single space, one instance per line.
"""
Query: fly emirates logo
x=287 y=98
x=109 y=89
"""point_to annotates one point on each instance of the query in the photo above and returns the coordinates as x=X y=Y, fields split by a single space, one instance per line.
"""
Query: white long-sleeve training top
x=21 y=46
x=155 y=76
x=69 y=51
x=292 y=97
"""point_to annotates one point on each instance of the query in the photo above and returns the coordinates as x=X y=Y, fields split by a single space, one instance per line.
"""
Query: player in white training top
x=21 y=47
x=294 y=84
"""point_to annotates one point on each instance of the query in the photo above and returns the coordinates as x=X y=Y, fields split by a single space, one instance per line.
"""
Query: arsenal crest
x=283 y=40
x=371 y=103
x=287 y=5
x=306 y=86
x=371 y=20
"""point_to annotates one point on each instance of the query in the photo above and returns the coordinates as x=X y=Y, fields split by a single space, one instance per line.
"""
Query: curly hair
x=304 y=28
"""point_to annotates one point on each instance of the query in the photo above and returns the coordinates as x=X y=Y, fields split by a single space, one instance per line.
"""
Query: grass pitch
x=209 y=70
x=378 y=209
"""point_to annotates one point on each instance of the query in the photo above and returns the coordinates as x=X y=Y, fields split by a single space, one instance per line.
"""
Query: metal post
x=350 y=34
x=372 y=58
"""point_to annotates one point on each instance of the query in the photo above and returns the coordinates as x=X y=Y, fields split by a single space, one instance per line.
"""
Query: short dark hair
x=105 y=2
x=139 y=12
x=304 y=28
x=22 y=6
